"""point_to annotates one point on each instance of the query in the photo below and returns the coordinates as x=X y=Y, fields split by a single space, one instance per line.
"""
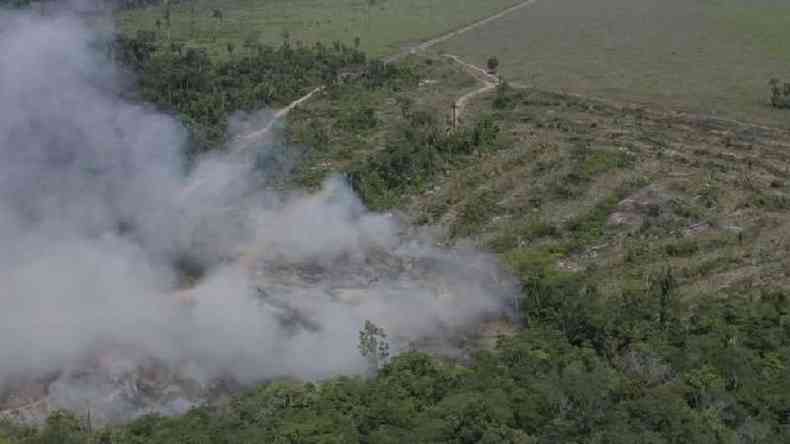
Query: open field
x=383 y=26
x=712 y=56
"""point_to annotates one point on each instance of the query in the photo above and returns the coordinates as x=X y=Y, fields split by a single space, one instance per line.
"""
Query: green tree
x=492 y=64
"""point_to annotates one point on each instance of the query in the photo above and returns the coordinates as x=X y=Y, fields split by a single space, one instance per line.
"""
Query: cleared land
x=711 y=56
x=383 y=26
x=578 y=189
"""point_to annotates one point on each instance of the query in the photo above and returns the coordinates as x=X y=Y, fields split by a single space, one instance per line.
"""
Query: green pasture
x=703 y=56
x=383 y=26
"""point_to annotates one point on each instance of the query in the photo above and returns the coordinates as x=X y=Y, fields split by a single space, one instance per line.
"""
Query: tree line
x=644 y=367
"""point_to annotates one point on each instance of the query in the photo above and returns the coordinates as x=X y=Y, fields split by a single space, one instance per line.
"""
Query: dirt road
x=488 y=80
x=244 y=140
x=444 y=37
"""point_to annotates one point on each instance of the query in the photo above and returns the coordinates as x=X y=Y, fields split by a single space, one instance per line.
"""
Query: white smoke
x=97 y=207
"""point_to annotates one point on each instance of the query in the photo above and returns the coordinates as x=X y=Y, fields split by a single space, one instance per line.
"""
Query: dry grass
x=622 y=192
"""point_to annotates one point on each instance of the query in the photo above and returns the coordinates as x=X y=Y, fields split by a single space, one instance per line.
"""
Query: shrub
x=360 y=118
x=411 y=161
x=492 y=64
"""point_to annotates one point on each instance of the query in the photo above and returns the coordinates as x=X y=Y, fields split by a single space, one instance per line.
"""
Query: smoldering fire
x=97 y=206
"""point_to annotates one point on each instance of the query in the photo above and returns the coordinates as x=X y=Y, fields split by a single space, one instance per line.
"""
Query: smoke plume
x=100 y=220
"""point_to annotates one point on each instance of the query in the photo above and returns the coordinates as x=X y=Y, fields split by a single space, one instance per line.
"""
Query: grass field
x=383 y=26
x=705 y=56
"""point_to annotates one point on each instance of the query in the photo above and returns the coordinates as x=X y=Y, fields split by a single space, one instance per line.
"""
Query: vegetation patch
x=538 y=262
x=420 y=152
x=205 y=92
x=770 y=201
x=684 y=248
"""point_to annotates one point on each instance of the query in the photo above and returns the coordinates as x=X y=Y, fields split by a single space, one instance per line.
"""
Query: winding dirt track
x=488 y=80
